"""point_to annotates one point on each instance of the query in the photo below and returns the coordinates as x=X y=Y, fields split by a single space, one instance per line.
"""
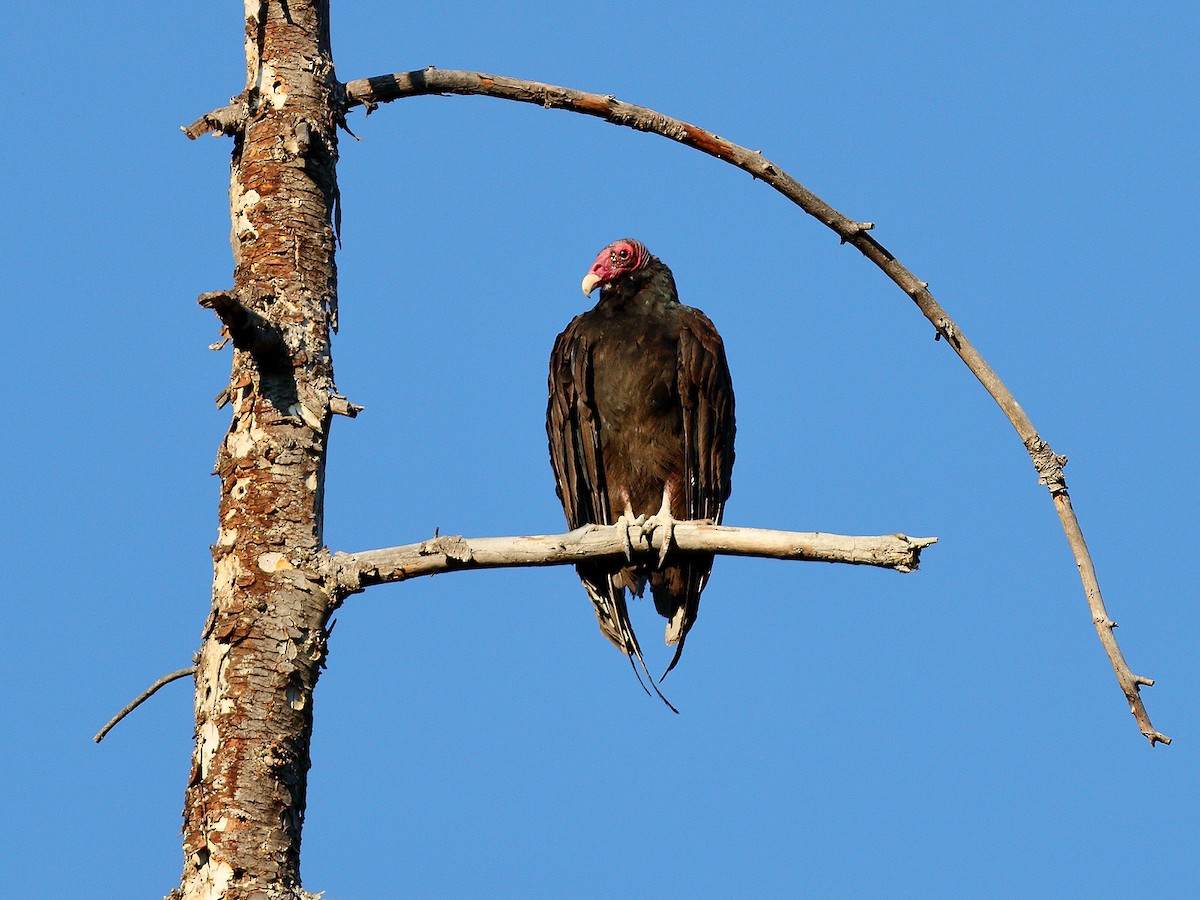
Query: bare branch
x=352 y=572
x=142 y=698
x=370 y=92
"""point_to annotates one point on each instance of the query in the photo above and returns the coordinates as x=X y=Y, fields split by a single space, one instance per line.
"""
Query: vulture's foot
x=664 y=520
x=626 y=521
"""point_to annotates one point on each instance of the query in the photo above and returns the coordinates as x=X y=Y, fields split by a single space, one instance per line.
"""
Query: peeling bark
x=264 y=642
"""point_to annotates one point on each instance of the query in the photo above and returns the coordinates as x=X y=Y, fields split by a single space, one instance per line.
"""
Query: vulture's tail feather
x=607 y=594
x=675 y=658
x=620 y=610
x=638 y=675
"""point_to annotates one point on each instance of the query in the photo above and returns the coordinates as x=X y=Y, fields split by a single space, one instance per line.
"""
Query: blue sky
x=848 y=732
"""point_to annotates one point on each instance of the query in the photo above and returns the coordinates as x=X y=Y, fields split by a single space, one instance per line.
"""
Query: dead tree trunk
x=264 y=641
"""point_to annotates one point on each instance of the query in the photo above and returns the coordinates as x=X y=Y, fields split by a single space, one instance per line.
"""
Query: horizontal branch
x=352 y=572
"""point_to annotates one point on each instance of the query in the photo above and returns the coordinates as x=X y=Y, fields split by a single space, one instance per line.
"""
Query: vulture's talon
x=625 y=522
x=664 y=520
x=668 y=539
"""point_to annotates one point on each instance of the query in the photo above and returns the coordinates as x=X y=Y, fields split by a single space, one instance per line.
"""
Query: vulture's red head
x=615 y=261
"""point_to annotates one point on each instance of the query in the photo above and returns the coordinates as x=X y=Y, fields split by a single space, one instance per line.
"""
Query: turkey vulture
x=640 y=424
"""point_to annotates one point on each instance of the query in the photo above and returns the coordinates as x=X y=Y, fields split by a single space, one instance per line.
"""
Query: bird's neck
x=650 y=288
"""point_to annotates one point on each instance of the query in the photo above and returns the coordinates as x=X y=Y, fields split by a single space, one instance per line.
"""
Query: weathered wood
x=264 y=641
x=353 y=572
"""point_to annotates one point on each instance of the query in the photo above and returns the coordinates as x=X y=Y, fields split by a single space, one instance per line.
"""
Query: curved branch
x=369 y=92
x=352 y=572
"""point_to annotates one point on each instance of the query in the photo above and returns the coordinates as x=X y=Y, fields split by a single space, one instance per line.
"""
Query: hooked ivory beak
x=589 y=283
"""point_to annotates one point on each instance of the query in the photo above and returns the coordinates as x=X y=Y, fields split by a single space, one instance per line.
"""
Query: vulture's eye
x=624 y=254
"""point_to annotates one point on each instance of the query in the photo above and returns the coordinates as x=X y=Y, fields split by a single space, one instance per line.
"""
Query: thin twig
x=352 y=572
x=142 y=698
x=370 y=92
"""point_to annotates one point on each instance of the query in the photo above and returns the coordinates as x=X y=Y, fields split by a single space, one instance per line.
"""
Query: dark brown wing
x=573 y=431
x=706 y=396
x=706 y=393
x=572 y=428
